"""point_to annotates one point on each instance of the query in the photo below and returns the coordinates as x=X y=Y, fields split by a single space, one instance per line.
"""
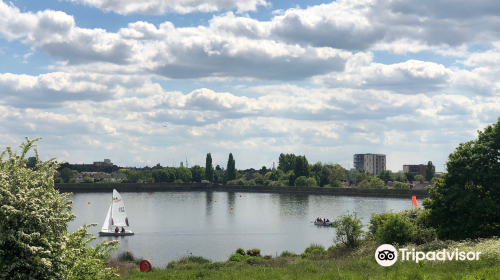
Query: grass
x=338 y=263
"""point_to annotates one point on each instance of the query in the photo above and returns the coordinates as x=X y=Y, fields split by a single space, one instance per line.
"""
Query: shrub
x=254 y=260
x=376 y=221
x=237 y=182
x=288 y=254
x=205 y=181
x=240 y=251
x=236 y=258
x=401 y=186
x=253 y=252
x=349 y=230
x=34 y=241
x=214 y=265
x=127 y=257
x=304 y=256
x=268 y=257
x=395 y=229
x=314 y=247
x=419 y=178
x=178 y=181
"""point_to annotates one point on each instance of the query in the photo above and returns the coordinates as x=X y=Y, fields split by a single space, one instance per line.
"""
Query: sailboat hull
x=126 y=233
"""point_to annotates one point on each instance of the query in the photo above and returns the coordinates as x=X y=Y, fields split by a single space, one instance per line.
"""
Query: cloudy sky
x=100 y=78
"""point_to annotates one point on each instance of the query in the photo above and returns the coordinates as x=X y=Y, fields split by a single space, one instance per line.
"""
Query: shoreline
x=166 y=187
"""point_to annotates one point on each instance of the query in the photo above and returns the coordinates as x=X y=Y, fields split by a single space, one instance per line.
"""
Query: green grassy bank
x=335 y=262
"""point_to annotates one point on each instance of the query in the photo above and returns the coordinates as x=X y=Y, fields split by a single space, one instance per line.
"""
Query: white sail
x=118 y=214
x=105 y=226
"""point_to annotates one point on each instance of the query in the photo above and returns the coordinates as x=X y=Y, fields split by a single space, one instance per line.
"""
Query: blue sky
x=98 y=78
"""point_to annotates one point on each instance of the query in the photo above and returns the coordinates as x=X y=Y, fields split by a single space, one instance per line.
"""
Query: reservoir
x=169 y=225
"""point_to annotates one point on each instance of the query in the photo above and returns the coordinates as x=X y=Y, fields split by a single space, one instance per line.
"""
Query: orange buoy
x=89 y=202
x=216 y=201
x=128 y=252
x=145 y=266
x=231 y=208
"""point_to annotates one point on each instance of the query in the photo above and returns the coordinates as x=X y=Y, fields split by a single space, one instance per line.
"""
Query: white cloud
x=159 y=7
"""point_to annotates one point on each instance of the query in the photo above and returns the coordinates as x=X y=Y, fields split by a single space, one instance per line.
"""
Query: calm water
x=169 y=225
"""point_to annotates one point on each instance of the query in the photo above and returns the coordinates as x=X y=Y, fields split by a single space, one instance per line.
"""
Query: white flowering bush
x=34 y=241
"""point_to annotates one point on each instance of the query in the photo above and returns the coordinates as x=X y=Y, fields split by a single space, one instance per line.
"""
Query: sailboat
x=117 y=217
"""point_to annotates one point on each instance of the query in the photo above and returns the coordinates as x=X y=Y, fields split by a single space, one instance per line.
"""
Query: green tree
x=196 y=171
x=68 y=174
x=231 y=168
x=34 y=241
x=400 y=177
x=401 y=186
x=263 y=171
x=410 y=176
x=386 y=176
x=159 y=175
x=395 y=229
x=276 y=175
x=429 y=171
x=184 y=174
x=301 y=166
x=209 y=169
x=419 y=178
x=286 y=162
x=349 y=230
x=88 y=180
x=302 y=181
x=31 y=162
x=465 y=202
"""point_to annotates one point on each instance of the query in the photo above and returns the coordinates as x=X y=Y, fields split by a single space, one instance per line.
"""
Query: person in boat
x=327 y=220
x=116 y=230
x=123 y=230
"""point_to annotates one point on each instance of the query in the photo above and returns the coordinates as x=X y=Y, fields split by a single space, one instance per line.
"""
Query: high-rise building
x=373 y=163
x=182 y=164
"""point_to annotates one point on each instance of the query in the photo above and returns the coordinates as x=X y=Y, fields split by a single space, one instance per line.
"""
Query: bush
x=236 y=258
x=127 y=257
x=253 y=252
x=268 y=257
x=395 y=229
x=34 y=241
x=205 y=181
x=419 y=178
x=314 y=247
x=349 y=230
x=401 y=186
x=288 y=254
x=254 y=260
x=304 y=256
x=178 y=181
x=240 y=251
x=237 y=182
x=214 y=265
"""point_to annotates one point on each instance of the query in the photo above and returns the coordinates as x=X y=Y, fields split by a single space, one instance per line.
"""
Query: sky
x=143 y=82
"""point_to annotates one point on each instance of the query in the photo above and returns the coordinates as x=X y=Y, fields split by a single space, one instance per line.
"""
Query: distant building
x=182 y=164
x=373 y=163
x=417 y=169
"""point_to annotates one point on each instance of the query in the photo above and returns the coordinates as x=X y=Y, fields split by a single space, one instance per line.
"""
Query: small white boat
x=117 y=218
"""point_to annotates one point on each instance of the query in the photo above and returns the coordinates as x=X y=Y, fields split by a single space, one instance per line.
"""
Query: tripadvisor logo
x=387 y=255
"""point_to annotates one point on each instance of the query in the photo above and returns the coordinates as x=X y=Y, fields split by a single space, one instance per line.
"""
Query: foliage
x=184 y=174
x=238 y=182
x=209 y=169
x=302 y=181
x=197 y=173
x=276 y=175
x=178 y=181
x=386 y=176
x=286 y=162
x=410 y=176
x=314 y=247
x=68 y=174
x=205 y=181
x=240 y=251
x=88 y=180
x=34 y=242
x=395 y=229
x=429 y=171
x=401 y=186
x=465 y=202
x=231 y=168
x=31 y=163
x=253 y=252
x=400 y=177
x=349 y=230
x=236 y=258
x=301 y=167
x=258 y=178
x=372 y=183
x=419 y=178
x=162 y=175
x=288 y=254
